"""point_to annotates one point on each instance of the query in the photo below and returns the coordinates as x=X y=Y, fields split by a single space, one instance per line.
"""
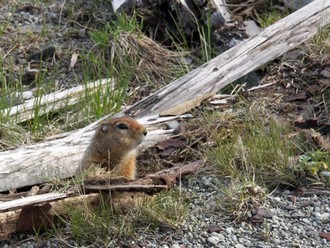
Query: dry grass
x=148 y=60
x=13 y=136
x=103 y=224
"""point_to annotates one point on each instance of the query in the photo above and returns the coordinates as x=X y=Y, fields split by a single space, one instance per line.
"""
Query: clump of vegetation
x=258 y=154
x=254 y=148
x=239 y=197
x=266 y=19
x=12 y=136
x=314 y=162
x=267 y=14
x=321 y=42
x=125 y=52
x=105 y=223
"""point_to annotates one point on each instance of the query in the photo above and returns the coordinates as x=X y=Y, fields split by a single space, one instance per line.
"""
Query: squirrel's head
x=123 y=132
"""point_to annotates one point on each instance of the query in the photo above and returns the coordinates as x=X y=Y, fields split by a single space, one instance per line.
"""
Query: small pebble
x=229 y=230
x=213 y=240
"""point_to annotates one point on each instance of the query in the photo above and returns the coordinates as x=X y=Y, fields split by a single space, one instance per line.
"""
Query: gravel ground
x=286 y=221
x=289 y=221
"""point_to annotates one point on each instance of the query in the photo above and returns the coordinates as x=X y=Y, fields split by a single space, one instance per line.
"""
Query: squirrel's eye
x=122 y=126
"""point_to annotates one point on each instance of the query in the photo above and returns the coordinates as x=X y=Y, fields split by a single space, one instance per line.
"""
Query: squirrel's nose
x=145 y=132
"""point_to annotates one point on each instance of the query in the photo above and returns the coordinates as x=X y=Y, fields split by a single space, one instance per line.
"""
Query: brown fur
x=114 y=146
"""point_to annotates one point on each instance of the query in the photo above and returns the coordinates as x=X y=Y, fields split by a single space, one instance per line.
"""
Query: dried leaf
x=176 y=143
x=325 y=236
x=300 y=96
x=167 y=152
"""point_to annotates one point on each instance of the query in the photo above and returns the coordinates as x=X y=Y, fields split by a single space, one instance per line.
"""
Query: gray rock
x=248 y=243
x=216 y=20
x=277 y=241
x=213 y=240
x=324 y=241
x=298 y=231
x=229 y=230
x=218 y=235
x=296 y=4
x=28 y=245
x=265 y=212
x=172 y=125
x=251 y=28
x=306 y=221
x=26 y=95
x=284 y=226
x=261 y=244
x=325 y=174
x=321 y=216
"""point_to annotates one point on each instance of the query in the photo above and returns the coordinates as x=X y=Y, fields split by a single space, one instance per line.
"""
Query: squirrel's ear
x=104 y=128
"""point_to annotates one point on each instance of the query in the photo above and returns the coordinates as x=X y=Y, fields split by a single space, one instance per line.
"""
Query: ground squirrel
x=114 y=146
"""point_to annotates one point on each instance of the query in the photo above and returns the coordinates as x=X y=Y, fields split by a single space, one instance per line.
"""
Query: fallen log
x=238 y=61
x=52 y=102
x=60 y=158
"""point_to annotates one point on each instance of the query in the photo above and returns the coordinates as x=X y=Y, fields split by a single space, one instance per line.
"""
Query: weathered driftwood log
x=40 y=211
x=53 y=101
x=238 y=61
x=60 y=158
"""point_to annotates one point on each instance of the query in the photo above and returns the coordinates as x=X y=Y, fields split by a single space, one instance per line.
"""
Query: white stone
x=229 y=230
x=251 y=28
x=321 y=217
x=239 y=246
x=213 y=240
